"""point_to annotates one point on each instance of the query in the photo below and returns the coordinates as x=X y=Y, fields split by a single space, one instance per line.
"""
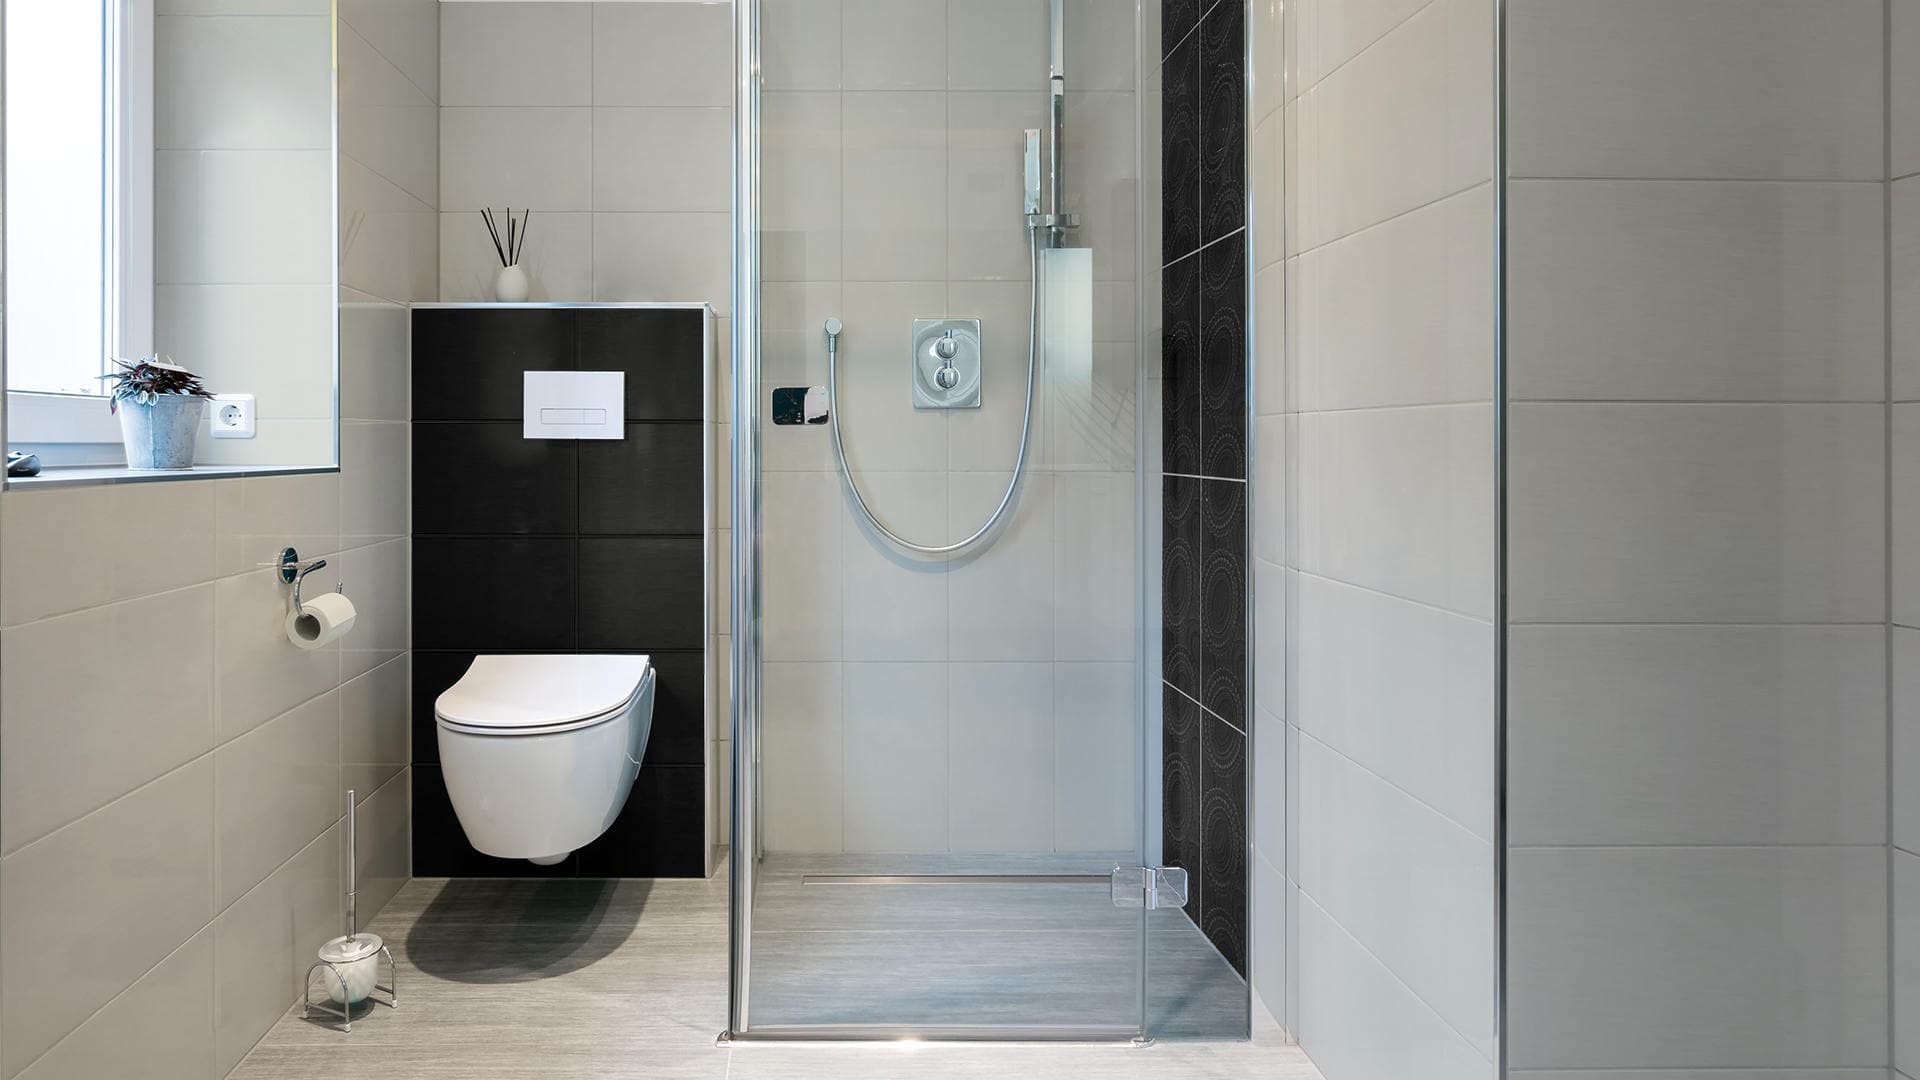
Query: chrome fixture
x=352 y=961
x=946 y=363
x=294 y=572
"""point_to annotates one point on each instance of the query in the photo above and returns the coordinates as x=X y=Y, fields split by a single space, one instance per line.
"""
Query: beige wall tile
x=157 y=1028
x=264 y=942
x=375 y=726
x=277 y=787
x=259 y=673
x=662 y=54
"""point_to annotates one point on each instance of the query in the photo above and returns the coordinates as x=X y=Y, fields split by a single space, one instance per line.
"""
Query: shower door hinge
x=1149 y=886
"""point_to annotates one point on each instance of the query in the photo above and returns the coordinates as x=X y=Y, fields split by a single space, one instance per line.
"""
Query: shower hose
x=833 y=328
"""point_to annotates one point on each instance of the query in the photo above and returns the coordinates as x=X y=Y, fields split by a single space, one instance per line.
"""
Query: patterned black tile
x=1180 y=367
x=1180 y=788
x=661 y=832
x=467 y=362
x=1223 y=119
x=1223 y=831
x=652 y=482
x=1177 y=20
x=662 y=351
x=1180 y=151
x=1223 y=358
x=1223 y=599
x=493 y=594
x=485 y=477
x=440 y=845
x=1180 y=583
x=642 y=592
x=433 y=672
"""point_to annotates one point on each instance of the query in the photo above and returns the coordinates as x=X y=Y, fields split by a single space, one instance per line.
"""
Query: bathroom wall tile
x=995 y=45
x=75 y=548
x=1709 y=955
x=1180 y=155
x=375 y=363
x=1397 y=1035
x=651 y=482
x=374 y=482
x=802 y=732
x=376 y=580
x=679 y=735
x=260 y=516
x=100 y=902
x=1223 y=120
x=630 y=143
x=1905 y=445
x=389 y=240
x=489 y=478
x=385 y=829
x=280 y=66
x=375 y=719
x=240 y=7
x=641 y=592
x=1182 y=787
x=516 y=54
x=79 y=734
x=880 y=428
x=157 y=1028
x=1096 y=756
x=1906 y=738
x=800 y=584
x=986 y=154
x=662 y=54
x=223 y=216
x=893 y=44
x=1223 y=839
x=264 y=942
x=1361 y=662
x=558 y=259
x=799 y=45
x=1267 y=941
x=500 y=594
x=894 y=605
x=1268 y=36
x=1268 y=489
x=467 y=363
x=1906 y=959
x=896 y=757
x=894 y=183
x=1095 y=566
x=433 y=673
x=1000 y=602
x=388 y=122
x=407 y=32
x=1793 y=493
x=661 y=832
x=800 y=200
x=1181 y=577
x=1102 y=47
x=227 y=329
x=1903 y=237
x=496 y=156
x=1223 y=600
x=677 y=256
x=1698 y=735
x=1000 y=749
x=1270 y=813
x=1180 y=364
x=1223 y=359
x=1102 y=136
x=1702 y=88
x=1714 y=291
x=299 y=443
x=1399 y=314
x=1378 y=476
x=1328 y=35
x=658 y=349
x=259 y=674
x=1357 y=833
x=276 y=788
x=440 y=847
x=1178 y=18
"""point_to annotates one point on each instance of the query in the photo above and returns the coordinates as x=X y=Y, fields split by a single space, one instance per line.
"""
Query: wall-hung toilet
x=539 y=752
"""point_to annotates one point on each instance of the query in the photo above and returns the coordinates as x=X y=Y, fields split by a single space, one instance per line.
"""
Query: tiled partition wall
x=1204 y=714
x=990 y=703
x=1379 y=417
x=171 y=768
x=613 y=123
x=565 y=546
x=1904 y=229
x=1697 y=359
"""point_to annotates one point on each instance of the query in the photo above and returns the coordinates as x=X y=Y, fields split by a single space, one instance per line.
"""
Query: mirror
x=170 y=191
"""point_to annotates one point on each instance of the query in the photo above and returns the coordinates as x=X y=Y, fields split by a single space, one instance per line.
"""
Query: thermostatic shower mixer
x=946 y=363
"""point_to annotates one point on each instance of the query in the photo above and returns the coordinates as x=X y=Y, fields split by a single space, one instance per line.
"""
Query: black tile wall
x=1204 y=449
x=547 y=545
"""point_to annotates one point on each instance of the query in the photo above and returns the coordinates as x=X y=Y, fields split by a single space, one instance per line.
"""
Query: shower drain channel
x=954 y=879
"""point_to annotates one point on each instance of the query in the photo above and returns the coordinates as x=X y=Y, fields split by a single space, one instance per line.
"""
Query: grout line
x=1308 y=733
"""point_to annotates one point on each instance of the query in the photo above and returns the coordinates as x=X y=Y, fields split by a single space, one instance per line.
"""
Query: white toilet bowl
x=539 y=752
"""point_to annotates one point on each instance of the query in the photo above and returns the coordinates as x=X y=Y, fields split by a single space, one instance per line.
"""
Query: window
x=79 y=204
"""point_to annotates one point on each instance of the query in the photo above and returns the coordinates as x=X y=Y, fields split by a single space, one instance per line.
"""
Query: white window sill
x=78 y=476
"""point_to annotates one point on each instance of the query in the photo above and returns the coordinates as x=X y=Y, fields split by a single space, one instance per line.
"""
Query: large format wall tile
x=1000 y=752
x=1611 y=505
x=157 y=1028
x=1906 y=961
x=275 y=788
x=1696 y=89
x=278 y=65
x=897 y=760
x=516 y=156
x=516 y=54
x=1753 y=957
x=264 y=942
x=1906 y=739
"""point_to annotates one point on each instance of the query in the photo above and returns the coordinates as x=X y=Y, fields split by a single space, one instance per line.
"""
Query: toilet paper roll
x=320 y=621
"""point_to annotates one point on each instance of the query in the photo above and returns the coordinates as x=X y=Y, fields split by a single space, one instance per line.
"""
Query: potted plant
x=163 y=408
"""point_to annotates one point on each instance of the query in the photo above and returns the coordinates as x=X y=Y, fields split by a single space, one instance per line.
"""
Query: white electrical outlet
x=233 y=416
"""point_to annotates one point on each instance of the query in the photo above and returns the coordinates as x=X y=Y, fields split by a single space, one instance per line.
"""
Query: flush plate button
x=946 y=363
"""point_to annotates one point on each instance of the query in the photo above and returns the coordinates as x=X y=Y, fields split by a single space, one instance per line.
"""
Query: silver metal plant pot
x=161 y=435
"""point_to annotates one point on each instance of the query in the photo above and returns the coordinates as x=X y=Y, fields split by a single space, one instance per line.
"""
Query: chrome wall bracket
x=1150 y=887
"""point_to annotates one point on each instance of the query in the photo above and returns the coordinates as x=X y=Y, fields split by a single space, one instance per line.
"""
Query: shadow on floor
x=505 y=931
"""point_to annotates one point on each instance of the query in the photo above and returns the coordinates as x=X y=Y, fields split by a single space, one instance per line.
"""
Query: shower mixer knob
x=946 y=349
x=947 y=377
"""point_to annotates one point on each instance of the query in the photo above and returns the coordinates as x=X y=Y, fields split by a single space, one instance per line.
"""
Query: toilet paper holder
x=294 y=572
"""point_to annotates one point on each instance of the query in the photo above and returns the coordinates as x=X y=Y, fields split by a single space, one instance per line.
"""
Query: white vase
x=512 y=285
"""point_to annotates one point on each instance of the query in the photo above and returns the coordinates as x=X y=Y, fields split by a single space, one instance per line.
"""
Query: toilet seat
x=542 y=695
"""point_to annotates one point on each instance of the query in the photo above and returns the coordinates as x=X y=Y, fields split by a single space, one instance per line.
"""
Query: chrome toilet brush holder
x=349 y=966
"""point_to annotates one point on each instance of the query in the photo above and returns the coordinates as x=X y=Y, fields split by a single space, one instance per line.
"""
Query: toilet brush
x=349 y=966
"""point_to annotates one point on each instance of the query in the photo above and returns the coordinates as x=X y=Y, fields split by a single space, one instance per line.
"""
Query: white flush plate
x=574 y=405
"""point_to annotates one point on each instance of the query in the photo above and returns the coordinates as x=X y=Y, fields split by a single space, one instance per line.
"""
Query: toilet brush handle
x=353 y=867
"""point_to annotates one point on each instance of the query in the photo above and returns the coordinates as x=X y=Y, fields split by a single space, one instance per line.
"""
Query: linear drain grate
x=954 y=879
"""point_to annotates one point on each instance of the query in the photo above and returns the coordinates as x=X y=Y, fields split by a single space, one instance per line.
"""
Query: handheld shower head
x=833 y=328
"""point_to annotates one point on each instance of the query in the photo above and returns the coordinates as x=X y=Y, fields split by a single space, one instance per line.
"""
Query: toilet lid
x=521 y=692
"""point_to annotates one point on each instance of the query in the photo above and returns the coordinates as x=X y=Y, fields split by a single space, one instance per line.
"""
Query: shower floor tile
x=571 y=979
